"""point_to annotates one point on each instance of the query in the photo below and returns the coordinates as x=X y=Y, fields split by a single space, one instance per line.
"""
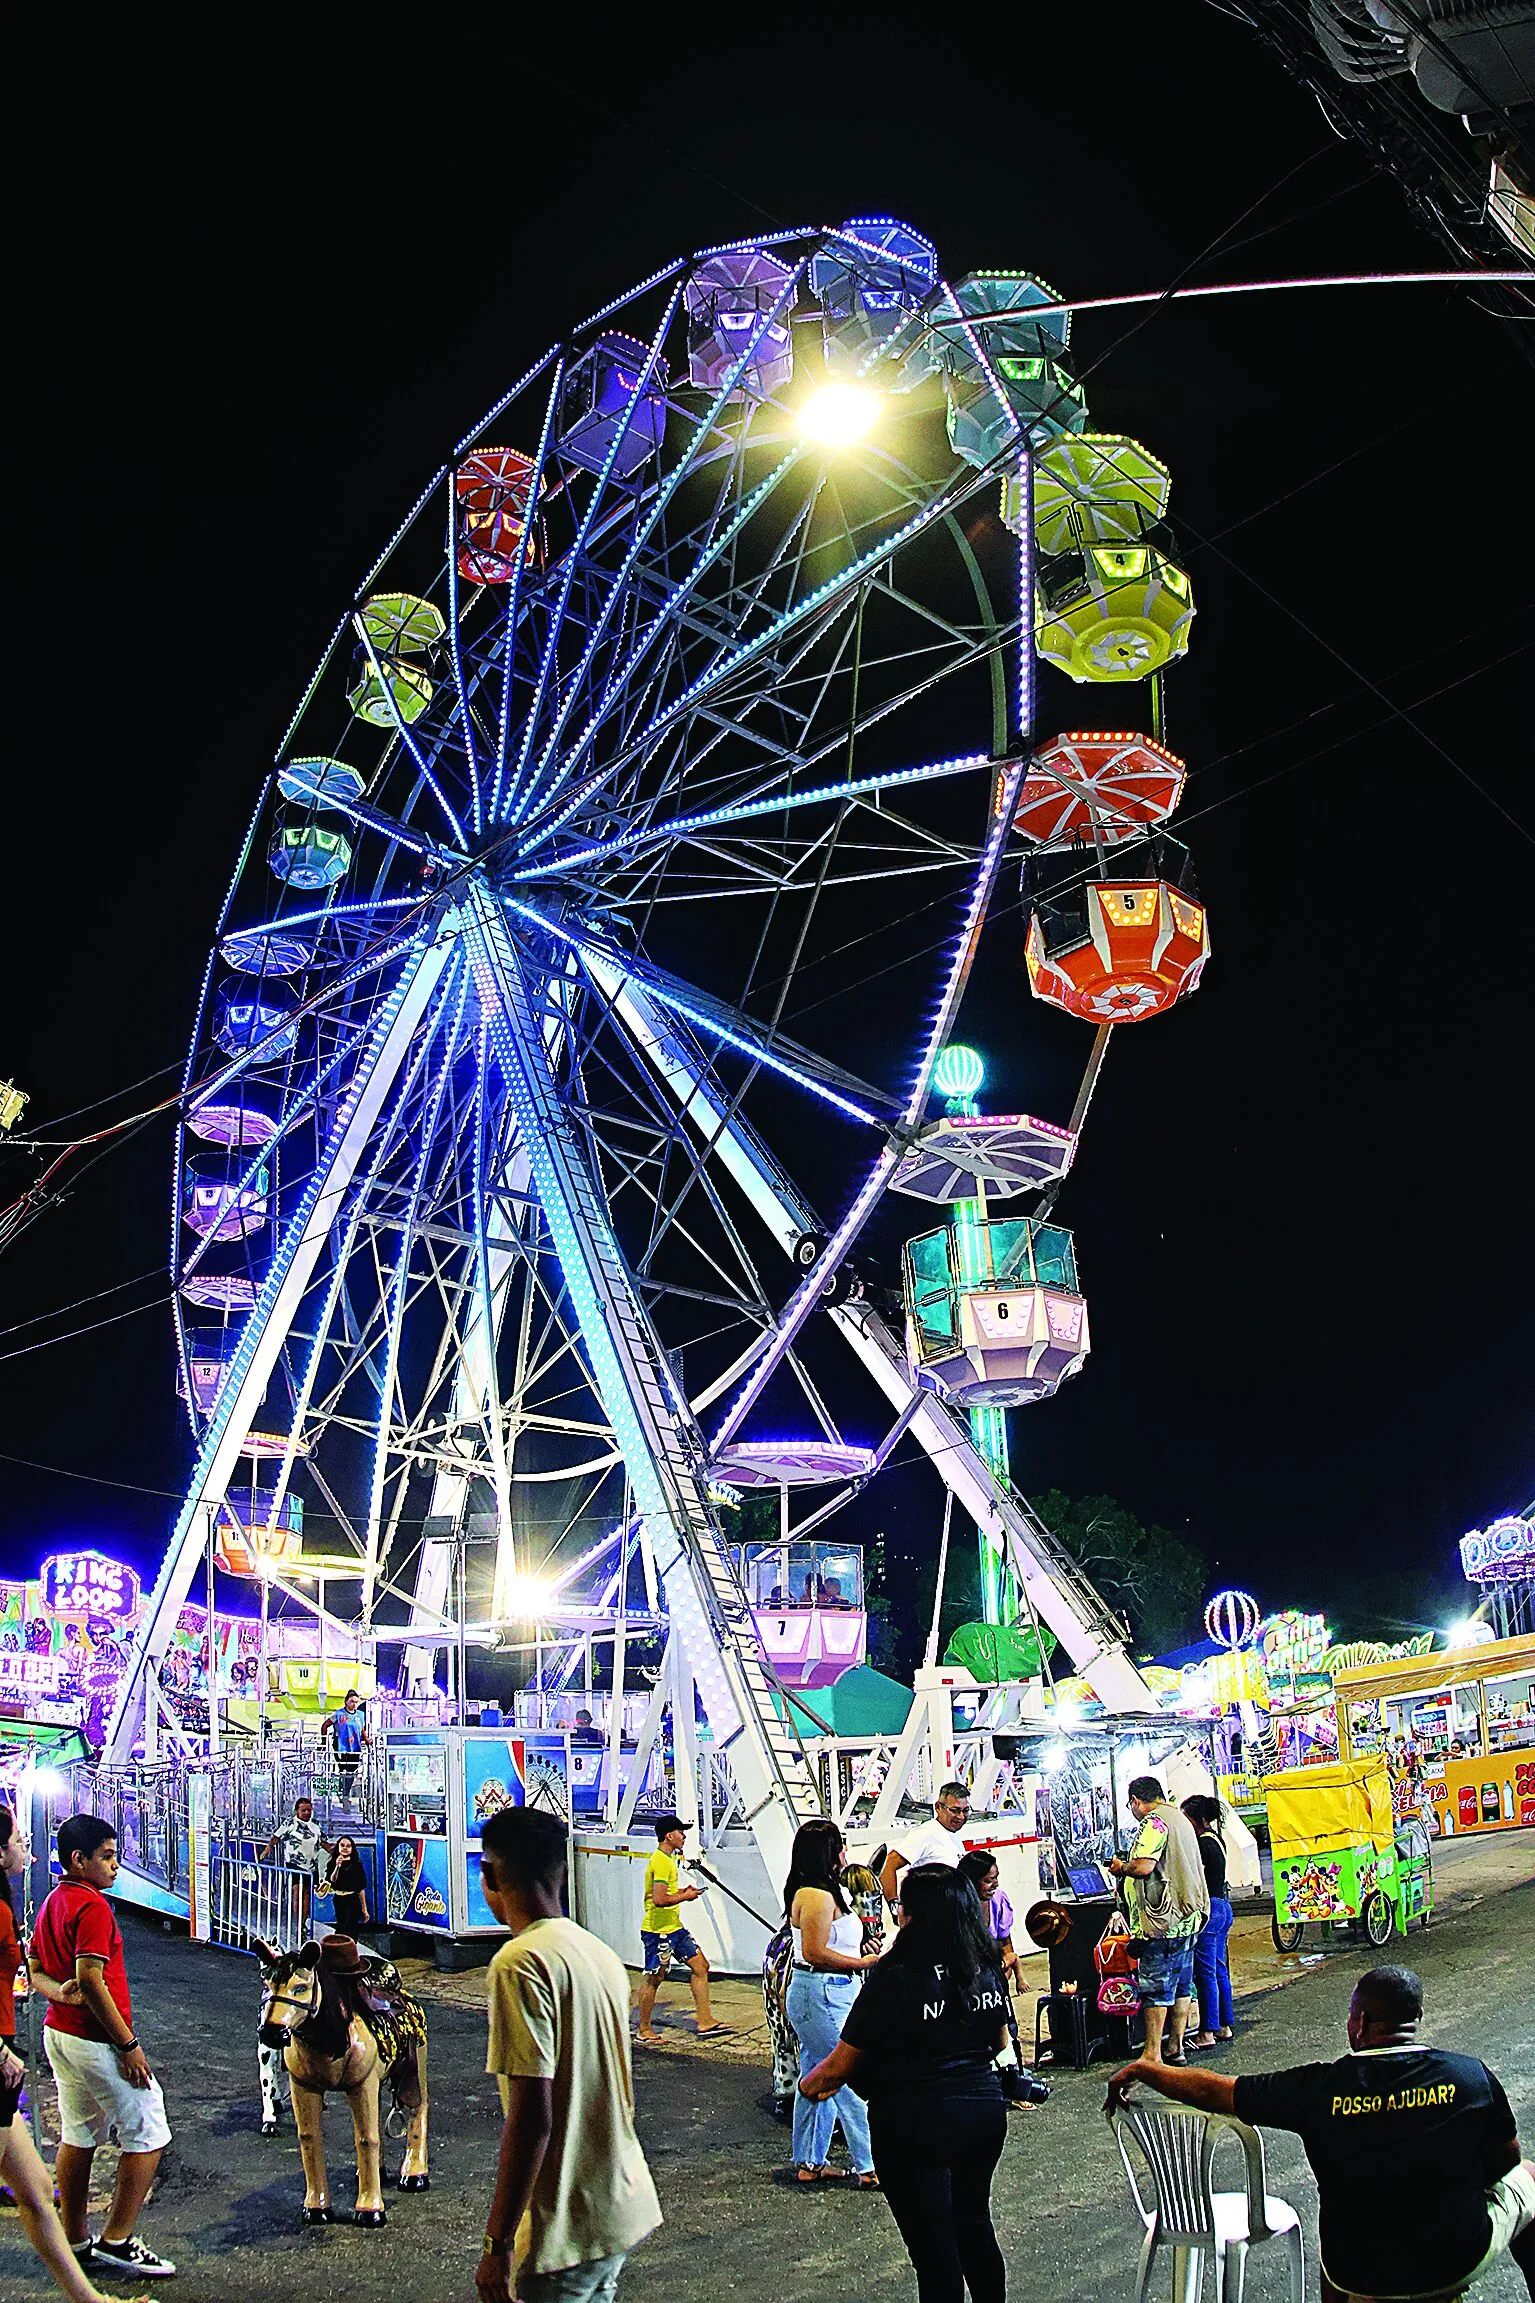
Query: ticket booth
x=441 y=1784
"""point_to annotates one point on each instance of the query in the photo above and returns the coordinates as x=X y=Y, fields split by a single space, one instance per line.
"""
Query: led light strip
x=359 y=625
x=516 y=808
x=808 y=1294
x=514 y=593
x=683 y=826
x=612 y=968
x=664 y=494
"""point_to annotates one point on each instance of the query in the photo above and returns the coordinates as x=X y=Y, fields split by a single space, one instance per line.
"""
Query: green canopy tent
x=862 y=1702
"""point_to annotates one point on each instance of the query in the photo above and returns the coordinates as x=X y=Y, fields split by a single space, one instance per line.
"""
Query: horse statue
x=345 y=2023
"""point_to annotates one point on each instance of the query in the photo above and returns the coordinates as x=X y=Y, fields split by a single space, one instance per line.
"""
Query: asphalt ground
x=226 y=2206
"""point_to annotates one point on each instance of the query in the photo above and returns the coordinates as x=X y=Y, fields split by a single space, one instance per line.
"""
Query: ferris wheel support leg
x=662 y=1448
x=262 y=1338
x=1054 y=1587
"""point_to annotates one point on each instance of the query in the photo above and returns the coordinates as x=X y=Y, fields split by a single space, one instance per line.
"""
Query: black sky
x=266 y=301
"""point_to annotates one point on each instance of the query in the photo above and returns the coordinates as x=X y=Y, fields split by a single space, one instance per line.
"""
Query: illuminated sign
x=35 y=1674
x=88 y=1583
x=1501 y=1553
x=1293 y=1643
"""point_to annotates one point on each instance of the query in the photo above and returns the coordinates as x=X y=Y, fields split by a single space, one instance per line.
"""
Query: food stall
x=1342 y=1859
x=1480 y=1697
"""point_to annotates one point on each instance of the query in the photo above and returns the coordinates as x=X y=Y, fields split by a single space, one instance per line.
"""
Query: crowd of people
x=906 y=2048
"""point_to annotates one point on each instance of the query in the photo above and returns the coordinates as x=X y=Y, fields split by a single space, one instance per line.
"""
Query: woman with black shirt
x=919 y=2042
x=1212 y=1968
x=348 y=1884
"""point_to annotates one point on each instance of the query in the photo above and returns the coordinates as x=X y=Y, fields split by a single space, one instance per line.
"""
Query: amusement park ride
x=624 y=741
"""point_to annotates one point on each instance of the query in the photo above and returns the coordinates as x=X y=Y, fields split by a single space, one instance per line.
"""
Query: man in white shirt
x=300 y=1844
x=940 y=1841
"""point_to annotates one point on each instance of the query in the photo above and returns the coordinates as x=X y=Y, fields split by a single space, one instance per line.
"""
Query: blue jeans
x=1212 y=1971
x=582 y=2283
x=817 y=2006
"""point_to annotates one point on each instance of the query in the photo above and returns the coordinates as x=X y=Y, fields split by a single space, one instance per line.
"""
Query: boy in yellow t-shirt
x=665 y=1938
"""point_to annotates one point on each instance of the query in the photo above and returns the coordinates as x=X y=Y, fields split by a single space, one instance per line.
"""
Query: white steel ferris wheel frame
x=478 y=975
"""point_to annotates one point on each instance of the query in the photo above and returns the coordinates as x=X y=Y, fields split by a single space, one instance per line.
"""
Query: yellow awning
x=1318 y=1810
x=1454 y=1667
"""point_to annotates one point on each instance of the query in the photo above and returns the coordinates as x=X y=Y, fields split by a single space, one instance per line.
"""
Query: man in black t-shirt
x=1418 y=2169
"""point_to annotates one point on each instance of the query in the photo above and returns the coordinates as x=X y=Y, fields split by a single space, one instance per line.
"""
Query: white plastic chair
x=1178 y=2148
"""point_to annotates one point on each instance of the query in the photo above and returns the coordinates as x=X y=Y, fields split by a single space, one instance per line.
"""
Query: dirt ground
x=226 y=2207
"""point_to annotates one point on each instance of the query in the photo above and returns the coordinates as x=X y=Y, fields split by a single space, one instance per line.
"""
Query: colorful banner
x=416 y=1882
x=1496 y=1794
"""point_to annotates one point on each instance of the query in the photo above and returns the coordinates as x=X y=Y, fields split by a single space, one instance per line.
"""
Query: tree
x=1147 y=1574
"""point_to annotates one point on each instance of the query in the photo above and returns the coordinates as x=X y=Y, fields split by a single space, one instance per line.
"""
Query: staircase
x=662 y=1447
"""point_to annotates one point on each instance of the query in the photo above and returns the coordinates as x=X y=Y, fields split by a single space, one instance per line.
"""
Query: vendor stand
x=441 y=1784
x=1482 y=1697
x=1342 y=1858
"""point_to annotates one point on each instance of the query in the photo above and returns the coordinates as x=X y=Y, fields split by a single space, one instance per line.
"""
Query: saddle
x=371 y=1989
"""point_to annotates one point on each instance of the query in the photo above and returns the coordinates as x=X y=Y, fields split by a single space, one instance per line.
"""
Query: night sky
x=1302 y=1207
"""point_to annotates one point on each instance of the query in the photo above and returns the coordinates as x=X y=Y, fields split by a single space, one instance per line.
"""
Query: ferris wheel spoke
x=865 y=1200
x=511 y=620
x=389 y=1382
x=777 y=802
x=678 y=616
x=576 y=561
x=660 y=1444
x=492 y=1275
x=385 y=689
x=677 y=613
x=810 y=1072
x=647 y=527
x=261 y=1340
x=352 y=1346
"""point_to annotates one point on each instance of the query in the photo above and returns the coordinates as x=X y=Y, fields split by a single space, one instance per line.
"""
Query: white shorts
x=96 y=2103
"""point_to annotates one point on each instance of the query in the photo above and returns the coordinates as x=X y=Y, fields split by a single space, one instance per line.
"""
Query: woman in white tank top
x=827 y=1939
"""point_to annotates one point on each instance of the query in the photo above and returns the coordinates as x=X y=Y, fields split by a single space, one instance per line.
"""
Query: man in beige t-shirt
x=573 y=2193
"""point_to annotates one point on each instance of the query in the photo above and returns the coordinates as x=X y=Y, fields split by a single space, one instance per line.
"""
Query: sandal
x=1200 y=2041
x=868 y=2181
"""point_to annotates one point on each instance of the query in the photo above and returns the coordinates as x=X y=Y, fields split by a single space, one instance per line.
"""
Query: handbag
x=1114 y=1958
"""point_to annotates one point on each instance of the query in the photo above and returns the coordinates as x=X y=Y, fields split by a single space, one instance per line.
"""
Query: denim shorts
x=1164 y=1971
x=676 y=1944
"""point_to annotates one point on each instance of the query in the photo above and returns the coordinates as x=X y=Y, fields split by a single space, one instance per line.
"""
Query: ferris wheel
x=533 y=1106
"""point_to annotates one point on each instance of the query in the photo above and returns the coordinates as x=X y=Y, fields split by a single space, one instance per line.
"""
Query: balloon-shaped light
x=958 y=1073
x=1231 y=1619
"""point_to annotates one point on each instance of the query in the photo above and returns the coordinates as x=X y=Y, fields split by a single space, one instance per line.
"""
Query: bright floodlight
x=839 y=414
x=526 y=1595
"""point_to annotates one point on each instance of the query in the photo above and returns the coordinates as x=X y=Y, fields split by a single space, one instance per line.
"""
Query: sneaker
x=131 y=2257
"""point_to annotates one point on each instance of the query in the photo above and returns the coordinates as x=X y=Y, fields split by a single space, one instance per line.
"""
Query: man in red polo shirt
x=105 y=2085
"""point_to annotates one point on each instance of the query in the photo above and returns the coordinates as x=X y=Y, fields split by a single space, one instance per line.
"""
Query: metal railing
x=260 y=1902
